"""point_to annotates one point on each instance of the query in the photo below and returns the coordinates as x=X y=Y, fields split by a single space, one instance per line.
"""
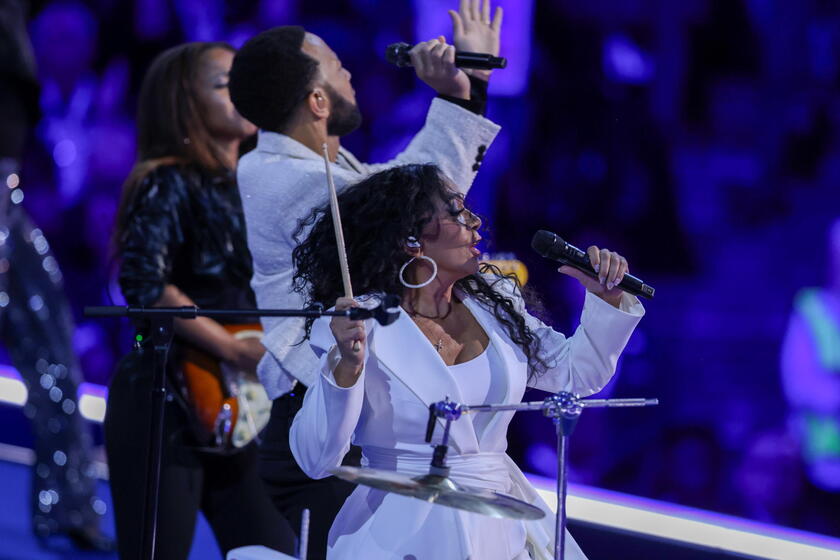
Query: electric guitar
x=232 y=406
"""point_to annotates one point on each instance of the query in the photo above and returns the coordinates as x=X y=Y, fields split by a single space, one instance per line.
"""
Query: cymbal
x=442 y=490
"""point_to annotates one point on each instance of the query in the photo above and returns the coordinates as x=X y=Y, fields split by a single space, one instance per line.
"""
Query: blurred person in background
x=180 y=240
x=768 y=483
x=690 y=469
x=83 y=149
x=35 y=320
x=810 y=366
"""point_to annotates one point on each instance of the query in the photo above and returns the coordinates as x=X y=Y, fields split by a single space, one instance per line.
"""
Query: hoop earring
x=427 y=282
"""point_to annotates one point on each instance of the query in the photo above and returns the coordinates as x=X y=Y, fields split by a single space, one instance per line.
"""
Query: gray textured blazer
x=282 y=180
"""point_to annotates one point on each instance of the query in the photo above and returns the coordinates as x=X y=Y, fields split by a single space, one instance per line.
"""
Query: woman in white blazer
x=460 y=333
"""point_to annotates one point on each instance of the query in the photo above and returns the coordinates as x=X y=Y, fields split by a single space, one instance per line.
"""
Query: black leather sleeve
x=477 y=103
x=154 y=236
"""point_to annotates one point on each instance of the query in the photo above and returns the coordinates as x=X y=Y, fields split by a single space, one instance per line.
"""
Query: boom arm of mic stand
x=540 y=405
x=385 y=313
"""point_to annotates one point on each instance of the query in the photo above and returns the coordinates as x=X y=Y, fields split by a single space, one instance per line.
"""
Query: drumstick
x=339 y=234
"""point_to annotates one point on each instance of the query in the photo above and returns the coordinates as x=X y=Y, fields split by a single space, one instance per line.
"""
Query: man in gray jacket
x=293 y=87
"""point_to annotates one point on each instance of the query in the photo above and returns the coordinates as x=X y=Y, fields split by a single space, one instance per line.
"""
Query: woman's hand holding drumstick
x=342 y=261
x=350 y=338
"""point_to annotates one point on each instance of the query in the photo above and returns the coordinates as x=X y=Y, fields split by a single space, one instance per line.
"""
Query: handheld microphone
x=397 y=54
x=552 y=246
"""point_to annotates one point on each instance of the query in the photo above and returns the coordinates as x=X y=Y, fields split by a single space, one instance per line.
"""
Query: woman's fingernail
x=610 y=285
x=602 y=280
x=597 y=267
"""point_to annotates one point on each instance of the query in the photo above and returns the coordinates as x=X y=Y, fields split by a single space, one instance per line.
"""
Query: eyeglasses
x=465 y=217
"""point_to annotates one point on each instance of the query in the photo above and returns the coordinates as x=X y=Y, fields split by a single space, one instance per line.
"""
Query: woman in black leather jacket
x=180 y=240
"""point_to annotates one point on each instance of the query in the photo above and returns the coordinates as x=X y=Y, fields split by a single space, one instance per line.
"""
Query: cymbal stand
x=564 y=409
x=449 y=411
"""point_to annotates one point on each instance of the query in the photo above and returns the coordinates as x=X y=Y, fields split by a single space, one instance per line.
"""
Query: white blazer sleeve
x=584 y=362
x=323 y=428
x=453 y=138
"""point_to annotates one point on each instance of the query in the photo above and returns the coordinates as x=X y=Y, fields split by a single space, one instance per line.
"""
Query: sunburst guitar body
x=232 y=406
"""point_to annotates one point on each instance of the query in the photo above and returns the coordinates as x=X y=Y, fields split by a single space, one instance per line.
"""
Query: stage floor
x=18 y=543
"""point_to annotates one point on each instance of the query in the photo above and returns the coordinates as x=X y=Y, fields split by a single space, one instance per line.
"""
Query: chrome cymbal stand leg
x=564 y=409
x=449 y=411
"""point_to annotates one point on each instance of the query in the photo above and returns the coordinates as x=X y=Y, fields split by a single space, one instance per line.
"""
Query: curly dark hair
x=378 y=215
x=271 y=75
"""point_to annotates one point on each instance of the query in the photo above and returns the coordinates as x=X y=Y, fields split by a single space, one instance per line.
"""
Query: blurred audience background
x=709 y=128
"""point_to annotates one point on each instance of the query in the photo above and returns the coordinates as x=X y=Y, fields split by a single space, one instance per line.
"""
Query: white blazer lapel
x=407 y=354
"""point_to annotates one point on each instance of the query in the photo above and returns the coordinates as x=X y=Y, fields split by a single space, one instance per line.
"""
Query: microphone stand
x=564 y=409
x=161 y=321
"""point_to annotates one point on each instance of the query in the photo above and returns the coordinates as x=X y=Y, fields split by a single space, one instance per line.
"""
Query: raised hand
x=434 y=63
x=474 y=31
x=611 y=268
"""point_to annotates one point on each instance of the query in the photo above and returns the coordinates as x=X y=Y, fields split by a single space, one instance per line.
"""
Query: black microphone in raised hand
x=397 y=53
x=551 y=246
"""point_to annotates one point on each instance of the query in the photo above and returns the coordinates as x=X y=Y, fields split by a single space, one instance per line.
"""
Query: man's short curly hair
x=271 y=75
